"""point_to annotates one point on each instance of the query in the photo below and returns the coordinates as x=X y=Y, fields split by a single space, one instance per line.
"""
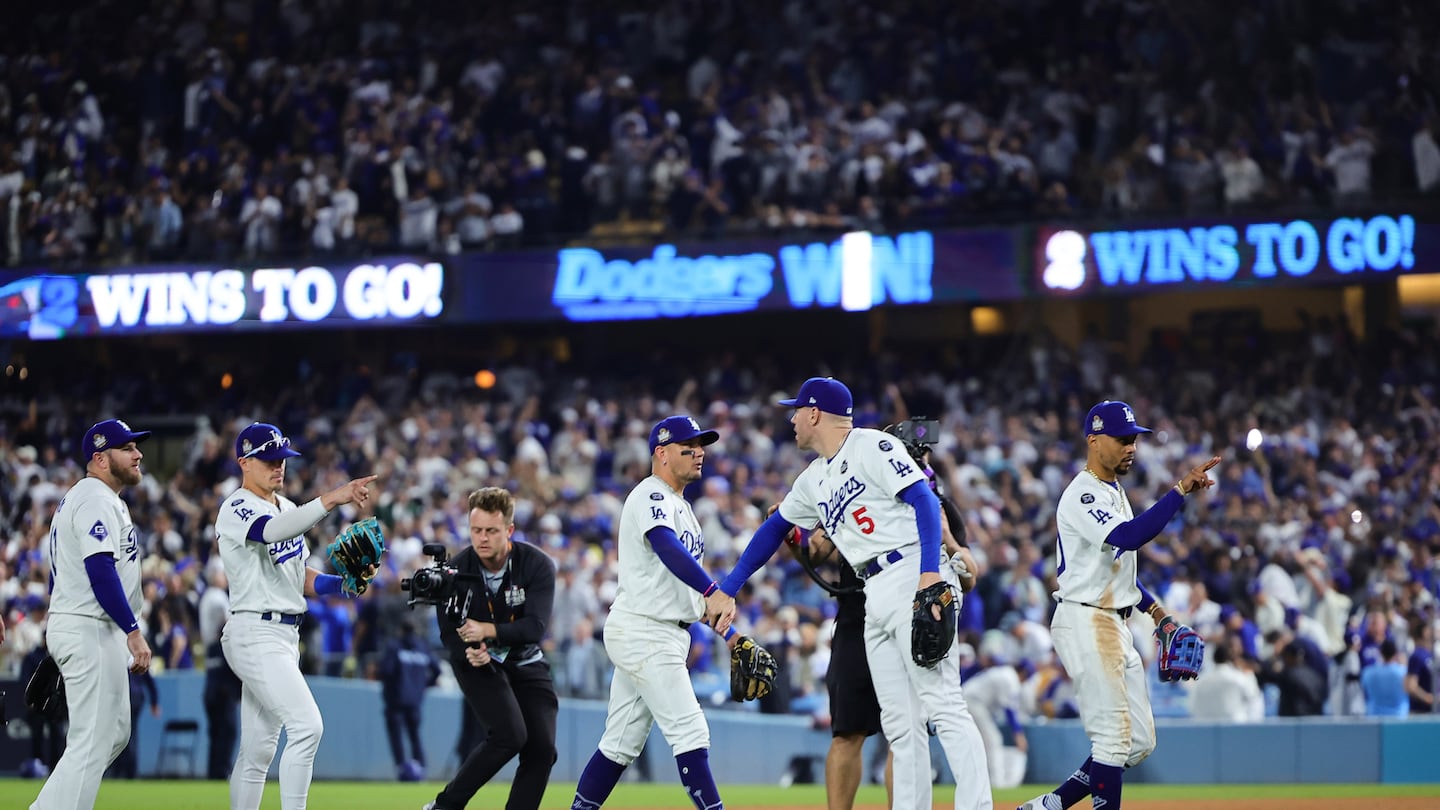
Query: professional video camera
x=437 y=583
x=918 y=435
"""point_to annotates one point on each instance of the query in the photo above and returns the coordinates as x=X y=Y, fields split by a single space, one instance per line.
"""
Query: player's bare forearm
x=821 y=548
x=1157 y=612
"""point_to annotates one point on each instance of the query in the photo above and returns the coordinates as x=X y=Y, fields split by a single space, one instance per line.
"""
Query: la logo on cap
x=695 y=426
x=1129 y=415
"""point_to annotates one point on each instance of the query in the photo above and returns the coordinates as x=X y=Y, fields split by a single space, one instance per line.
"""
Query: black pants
x=47 y=738
x=407 y=719
x=222 y=724
x=517 y=705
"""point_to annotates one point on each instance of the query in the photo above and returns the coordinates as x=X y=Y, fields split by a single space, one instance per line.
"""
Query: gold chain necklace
x=1117 y=491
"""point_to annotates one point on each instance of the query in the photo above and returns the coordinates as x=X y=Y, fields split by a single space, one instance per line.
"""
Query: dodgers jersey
x=263 y=576
x=91 y=519
x=1088 y=569
x=646 y=587
x=854 y=496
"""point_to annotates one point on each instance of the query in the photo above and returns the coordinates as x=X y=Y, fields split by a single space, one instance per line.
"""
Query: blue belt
x=880 y=563
x=1124 y=612
x=283 y=618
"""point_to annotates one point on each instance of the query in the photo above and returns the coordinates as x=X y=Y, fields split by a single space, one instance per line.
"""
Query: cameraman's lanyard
x=497 y=653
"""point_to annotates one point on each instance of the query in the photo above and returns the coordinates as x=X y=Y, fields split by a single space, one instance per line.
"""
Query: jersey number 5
x=866 y=524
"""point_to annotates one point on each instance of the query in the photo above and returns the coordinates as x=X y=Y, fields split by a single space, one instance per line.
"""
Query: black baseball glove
x=931 y=638
x=752 y=670
x=45 y=693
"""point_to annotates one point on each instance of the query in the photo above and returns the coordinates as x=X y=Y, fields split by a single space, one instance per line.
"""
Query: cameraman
x=492 y=627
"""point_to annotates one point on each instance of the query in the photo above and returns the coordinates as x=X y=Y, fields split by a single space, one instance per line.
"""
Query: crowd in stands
x=220 y=131
x=1312 y=569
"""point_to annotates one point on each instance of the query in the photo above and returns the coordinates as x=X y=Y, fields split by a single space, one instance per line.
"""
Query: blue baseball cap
x=264 y=441
x=677 y=429
x=1112 y=418
x=826 y=393
x=108 y=435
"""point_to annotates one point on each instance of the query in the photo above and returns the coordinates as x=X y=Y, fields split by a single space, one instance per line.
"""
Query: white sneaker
x=1047 y=802
x=428 y=806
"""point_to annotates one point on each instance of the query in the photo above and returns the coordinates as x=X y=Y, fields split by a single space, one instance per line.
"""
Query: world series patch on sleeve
x=355 y=554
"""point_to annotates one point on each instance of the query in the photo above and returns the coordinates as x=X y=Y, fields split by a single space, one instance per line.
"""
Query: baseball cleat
x=1047 y=802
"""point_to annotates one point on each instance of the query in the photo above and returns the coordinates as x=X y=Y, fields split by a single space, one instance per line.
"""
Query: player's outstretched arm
x=758 y=551
x=1144 y=527
x=356 y=492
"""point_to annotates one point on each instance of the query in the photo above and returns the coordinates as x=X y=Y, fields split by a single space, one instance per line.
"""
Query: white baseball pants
x=266 y=657
x=91 y=654
x=910 y=694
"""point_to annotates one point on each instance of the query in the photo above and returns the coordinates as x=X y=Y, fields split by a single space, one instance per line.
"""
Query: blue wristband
x=326 y=584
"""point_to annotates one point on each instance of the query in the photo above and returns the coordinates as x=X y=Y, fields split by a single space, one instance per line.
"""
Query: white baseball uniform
x=646 y=635
x=86 y=643
x=1097 y=593
x=262 y=644
x=992 y=692
x=854 y=495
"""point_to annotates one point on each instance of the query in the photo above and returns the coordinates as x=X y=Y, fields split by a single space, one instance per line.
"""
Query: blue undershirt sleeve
x=677 y=559
x=1012 y=720
x=761 y=548
x=1132 y=534
x=105 y=582
x=927 y=523
x=1147 y=599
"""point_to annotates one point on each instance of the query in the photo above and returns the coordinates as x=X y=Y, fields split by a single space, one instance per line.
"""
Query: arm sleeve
x=927 y=521
x=105 y=582
x=677 y=559
x=761 y=548
x=148 y=681
x=1012 y=720
x=539 y=603
x=1132 y=534
x=289 y=524
x=1147 y=599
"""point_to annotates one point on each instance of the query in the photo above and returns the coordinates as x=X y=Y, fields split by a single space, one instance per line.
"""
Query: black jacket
x=520 y=610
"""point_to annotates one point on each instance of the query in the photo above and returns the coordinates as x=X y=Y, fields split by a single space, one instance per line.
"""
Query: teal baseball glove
x=355 y=554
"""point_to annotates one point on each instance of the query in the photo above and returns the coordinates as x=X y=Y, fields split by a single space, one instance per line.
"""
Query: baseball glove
x=355 y=554
x=45 y=693
x=930 y=638
x=1182 y=650
x=752 y=670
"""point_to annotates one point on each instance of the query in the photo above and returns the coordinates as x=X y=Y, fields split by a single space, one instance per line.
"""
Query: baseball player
x=1098 y=591
x=262 y=543
x=878 y=510
x=660 y=593
x=92 y=632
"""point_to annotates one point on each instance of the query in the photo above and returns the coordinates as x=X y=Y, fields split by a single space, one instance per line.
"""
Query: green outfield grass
x=174 y=795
